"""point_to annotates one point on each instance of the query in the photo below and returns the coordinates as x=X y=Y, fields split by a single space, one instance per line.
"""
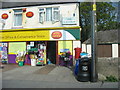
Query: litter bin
x=84 y=70
x=33 y=62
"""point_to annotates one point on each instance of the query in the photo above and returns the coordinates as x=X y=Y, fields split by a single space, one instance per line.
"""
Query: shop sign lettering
x=24 y=36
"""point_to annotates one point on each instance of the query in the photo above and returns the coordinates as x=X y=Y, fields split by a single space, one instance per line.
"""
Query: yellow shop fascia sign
x=25 y=35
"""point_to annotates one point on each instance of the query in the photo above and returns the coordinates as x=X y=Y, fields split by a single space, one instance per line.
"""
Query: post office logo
x=56 y=35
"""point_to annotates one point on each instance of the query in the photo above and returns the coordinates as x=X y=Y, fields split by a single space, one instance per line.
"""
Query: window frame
x=17 y=13
x=46 y=14
x=52 y=13
x=43 y=16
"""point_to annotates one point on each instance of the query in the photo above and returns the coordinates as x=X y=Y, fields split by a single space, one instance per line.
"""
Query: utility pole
x=94 y=75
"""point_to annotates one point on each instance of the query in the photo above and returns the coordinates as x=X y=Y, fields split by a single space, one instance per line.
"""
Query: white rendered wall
x=89 y=49
x=84 y=47
x=114 y=50
x=8 y=21
x=66 y=10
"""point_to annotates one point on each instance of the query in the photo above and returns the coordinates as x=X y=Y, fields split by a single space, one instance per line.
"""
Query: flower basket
x=20 y=58
x=20 y=63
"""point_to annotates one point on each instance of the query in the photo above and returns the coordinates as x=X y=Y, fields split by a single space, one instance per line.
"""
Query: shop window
x=49 y=14
x=18 y=17
x=37 y=50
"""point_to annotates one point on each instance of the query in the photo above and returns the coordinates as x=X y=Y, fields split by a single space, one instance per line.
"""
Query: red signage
x=29 y=14
x=56 y=35
x=4 y=16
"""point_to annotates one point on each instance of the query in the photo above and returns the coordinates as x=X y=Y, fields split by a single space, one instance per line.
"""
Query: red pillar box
x=77 y=52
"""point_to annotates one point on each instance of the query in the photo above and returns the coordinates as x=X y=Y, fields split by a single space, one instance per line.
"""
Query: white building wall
x=8 y=22
x=66 y=10
x=84 y=49
x=0 y=25
x=89 y=49
x=114 y=50
x=75 y=45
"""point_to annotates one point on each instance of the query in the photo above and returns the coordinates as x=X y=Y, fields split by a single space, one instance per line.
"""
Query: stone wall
x=108 y=66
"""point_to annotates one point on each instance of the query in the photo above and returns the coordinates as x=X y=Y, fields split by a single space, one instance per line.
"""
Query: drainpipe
x=94 y=75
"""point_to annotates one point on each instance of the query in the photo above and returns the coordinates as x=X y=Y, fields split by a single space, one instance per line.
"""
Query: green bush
x=111 y=79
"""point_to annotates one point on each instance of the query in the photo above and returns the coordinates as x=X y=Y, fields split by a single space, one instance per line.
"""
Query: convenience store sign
x=25 y=36
x=39 y=35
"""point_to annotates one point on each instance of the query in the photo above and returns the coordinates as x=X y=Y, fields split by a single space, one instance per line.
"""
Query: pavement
x=48 y=76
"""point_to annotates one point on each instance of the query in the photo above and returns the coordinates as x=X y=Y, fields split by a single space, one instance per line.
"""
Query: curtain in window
x=48 y=14
x=56 y=15
x=41 y=15
x=18 y=20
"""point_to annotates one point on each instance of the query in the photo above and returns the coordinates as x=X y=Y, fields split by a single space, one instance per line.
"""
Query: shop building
x=44 y=32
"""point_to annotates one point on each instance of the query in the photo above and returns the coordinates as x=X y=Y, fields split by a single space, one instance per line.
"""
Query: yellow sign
x=94 y=7
x=25 y=35
x=64 y=45
x=14 y=47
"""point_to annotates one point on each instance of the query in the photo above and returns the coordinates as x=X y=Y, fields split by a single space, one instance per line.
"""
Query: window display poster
x=0 y=55
x=4 y=55
x=32 y=44
x=15 y=47
x=3 y=51
x=28 y=47
x=4 y=44
x=64 y=46
x=64 y=50
x=0 y=46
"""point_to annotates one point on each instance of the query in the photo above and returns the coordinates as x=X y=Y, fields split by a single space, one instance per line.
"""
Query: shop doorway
x=51 y=51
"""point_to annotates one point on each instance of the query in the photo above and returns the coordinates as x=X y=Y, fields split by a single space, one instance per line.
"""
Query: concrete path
x=51 y=84
x=58 y=77
x=58 y=74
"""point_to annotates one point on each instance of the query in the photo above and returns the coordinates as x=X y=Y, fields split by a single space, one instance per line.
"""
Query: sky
x=57 y=0
x=98 y=0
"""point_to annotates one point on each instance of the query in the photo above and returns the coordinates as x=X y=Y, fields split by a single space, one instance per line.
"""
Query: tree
x=106 y=17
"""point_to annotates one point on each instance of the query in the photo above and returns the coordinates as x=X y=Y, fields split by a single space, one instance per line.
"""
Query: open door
x=51 y=51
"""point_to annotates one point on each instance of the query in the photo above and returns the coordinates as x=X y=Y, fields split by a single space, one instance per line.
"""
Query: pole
x=94 y=75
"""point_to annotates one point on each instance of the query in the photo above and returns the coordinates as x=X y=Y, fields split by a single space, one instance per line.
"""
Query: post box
x=77 y=52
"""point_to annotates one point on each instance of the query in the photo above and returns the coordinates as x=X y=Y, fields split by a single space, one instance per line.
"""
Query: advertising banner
x=25 y=35
x=40 y=35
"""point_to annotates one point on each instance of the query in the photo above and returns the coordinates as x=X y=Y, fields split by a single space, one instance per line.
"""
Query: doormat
x=45 y=70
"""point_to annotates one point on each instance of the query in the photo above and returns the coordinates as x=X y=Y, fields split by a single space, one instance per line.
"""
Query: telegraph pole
x=94 y=75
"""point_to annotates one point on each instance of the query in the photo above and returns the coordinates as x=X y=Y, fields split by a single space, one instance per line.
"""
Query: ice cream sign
x=56 y=35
